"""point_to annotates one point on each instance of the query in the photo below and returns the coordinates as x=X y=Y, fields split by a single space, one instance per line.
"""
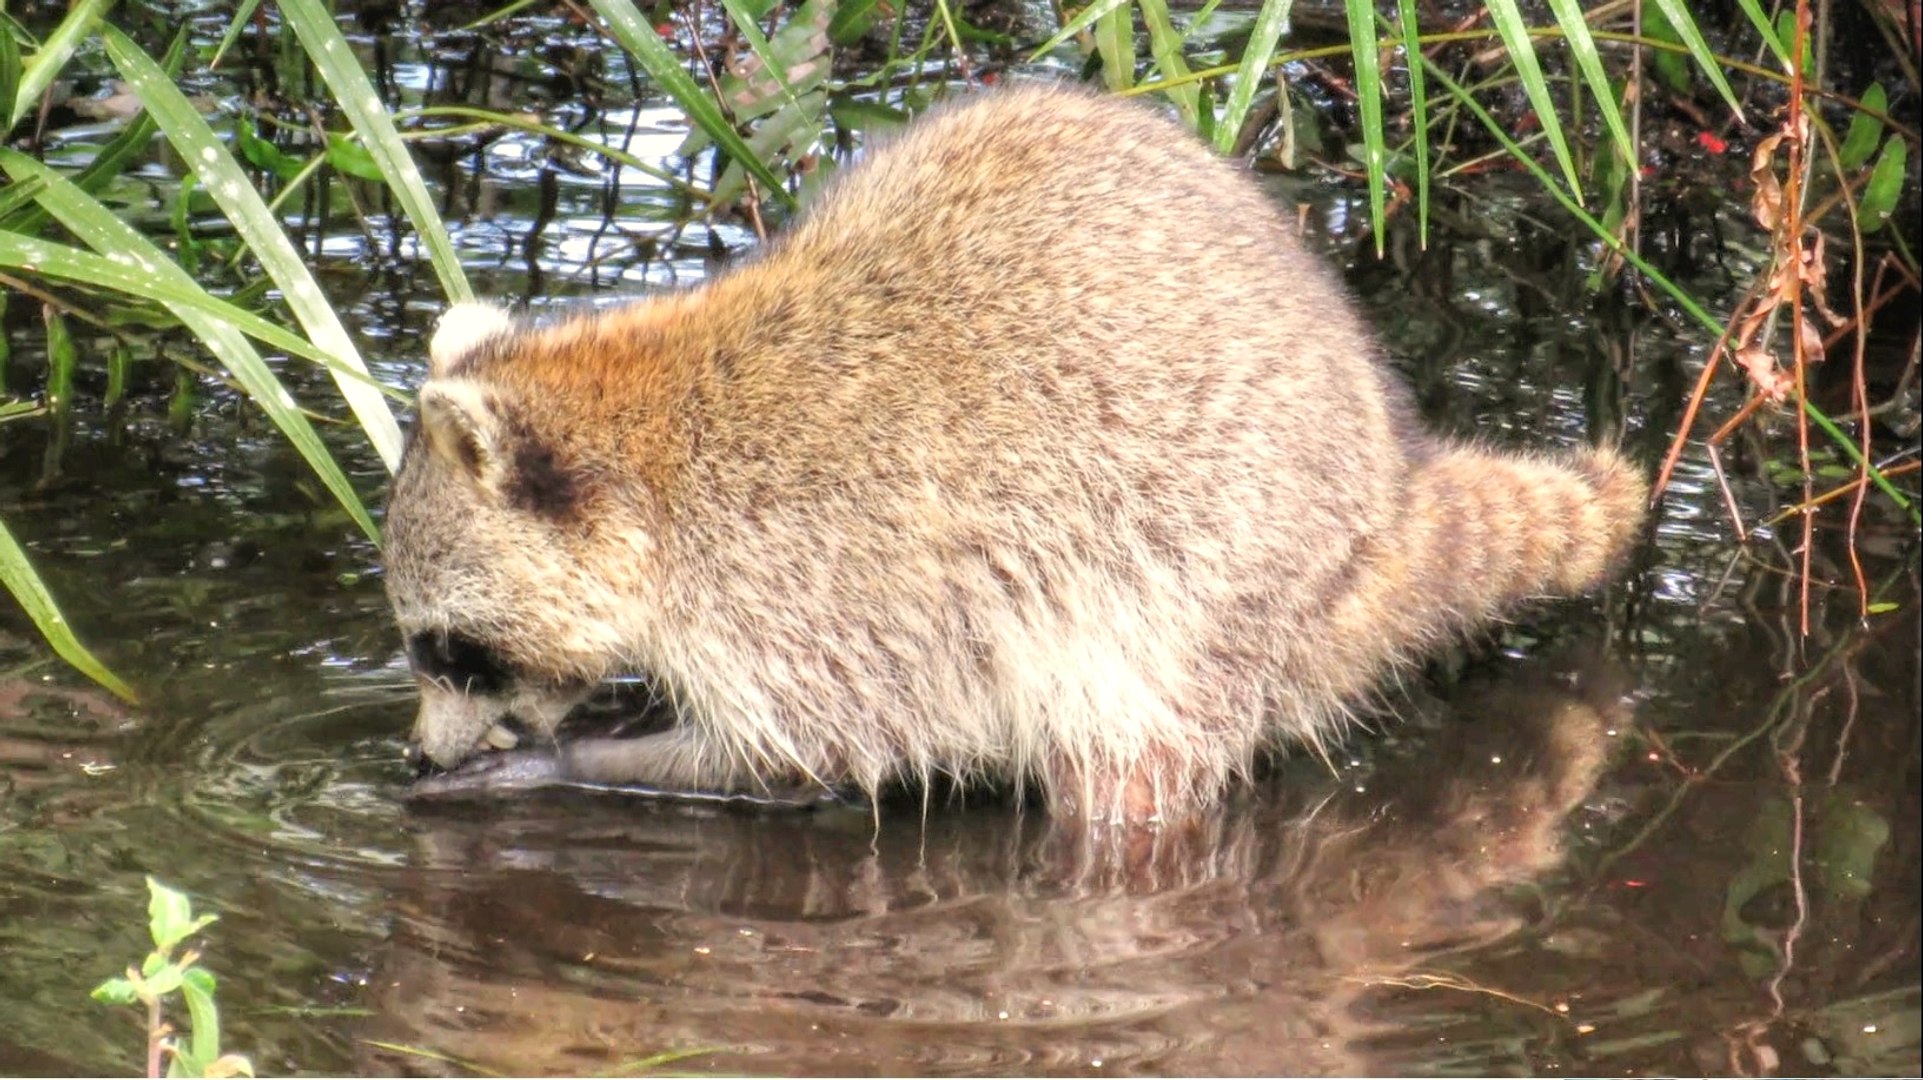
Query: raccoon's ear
x=461 y=428
x=462 y=329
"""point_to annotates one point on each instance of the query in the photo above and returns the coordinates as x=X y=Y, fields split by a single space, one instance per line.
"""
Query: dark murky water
x=1569 y=856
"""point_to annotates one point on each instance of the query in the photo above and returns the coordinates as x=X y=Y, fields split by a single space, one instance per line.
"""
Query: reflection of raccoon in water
x=980 y=941
x=1038 y=448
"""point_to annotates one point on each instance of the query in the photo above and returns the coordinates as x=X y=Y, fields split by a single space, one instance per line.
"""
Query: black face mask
x=464 y=663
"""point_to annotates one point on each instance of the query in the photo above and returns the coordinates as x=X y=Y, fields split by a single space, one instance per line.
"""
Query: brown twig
x=1859 y=484
x=1792 y=246
x=1695 y=403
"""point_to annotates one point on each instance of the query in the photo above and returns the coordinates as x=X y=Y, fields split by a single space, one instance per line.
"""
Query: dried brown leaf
x=1767 y=204
x=1812 y=340
x=1770 y=380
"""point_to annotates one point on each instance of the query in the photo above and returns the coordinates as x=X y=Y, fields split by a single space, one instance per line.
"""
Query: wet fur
x=1039 y=448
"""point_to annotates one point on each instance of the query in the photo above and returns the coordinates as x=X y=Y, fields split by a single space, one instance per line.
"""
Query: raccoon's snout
x=506 y=734
x=452 y=726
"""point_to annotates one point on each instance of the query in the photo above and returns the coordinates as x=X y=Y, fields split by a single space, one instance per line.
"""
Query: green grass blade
x=31 y=256
x=1514 y=31
x=48 y=259
x=109 y=163
x=18 y=575
x=243 y=15
x=1692 y=36
x=1165 y=45
x=1115 y=42
x=1582 y=45
x=1083 y=19
x=1682 y=297
x=1368 y=96
x=1759 y=18
x=776 y=98
x=10 y=68
x=1269 y=23
x=223 y=179
x=633 y=34
x=330 y=54
x=13 y=198
x=548 y=131
x=750 y=31
x=62 y=359
x=1419 y=107
x=39 y=70
x=85 y=217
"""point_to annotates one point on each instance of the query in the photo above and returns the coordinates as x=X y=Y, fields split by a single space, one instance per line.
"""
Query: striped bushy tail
x=1480 y=532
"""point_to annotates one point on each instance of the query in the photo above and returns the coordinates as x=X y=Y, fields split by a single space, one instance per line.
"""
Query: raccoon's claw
x=489 y=774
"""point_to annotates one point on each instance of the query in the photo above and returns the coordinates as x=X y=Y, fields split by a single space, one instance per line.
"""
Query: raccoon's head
x=508 y=562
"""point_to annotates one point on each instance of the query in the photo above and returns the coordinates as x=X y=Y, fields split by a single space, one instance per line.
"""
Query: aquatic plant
x=169 y=970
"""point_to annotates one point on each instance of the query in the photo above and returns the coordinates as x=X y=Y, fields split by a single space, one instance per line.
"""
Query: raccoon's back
x=1043 y=300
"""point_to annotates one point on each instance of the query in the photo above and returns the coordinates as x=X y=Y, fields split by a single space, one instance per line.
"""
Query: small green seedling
x=170 y=918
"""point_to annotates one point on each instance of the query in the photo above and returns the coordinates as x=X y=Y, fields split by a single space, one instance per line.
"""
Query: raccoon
x=1038 y=449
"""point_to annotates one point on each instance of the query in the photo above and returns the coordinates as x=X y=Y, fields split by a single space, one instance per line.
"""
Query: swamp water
x=1568 y=856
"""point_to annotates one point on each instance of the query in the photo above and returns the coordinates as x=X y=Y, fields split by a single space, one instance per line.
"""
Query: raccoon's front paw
x=494 y=773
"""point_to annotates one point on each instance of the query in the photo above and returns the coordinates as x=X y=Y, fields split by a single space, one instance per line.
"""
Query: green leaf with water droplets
x=17 y=574
x=221 y=177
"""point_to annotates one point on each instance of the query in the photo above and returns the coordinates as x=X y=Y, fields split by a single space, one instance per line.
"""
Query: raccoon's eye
x=451 y=656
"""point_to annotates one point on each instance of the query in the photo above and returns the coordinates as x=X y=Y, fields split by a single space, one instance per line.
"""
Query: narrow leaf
x=221 y=175
x=120 y=363
x=197 y=988
x=1753 y=10
x=84 y=216
x=1270 y=21
x=133 y=277
x=1368 y=93
x=1786 y=33
x=1083 y=19
x=39 y=70
x=61 y=361
x=1683 y=299
x=1166 y=46
x=750 y=31
x=17 y=574
x=1692 y=36
x=10 y=67
x=331 y=56
x=634 y=34
x=110 y=162
x=1582 y=46
x=1115 y=42
x=1419 y=105
x=1507 y=15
